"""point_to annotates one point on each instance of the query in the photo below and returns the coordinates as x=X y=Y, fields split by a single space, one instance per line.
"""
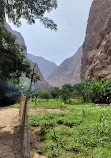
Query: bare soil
x=45 y=110
x=9 y=123
x=8 y=120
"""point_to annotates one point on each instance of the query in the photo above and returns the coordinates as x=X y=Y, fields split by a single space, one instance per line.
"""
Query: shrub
x=97 y=91
x=42 y=94
x=66 y=92
x=8 y=93
x=55 y=93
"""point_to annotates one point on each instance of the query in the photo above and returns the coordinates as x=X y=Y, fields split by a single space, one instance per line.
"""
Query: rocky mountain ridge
x=40 y=84
x=46 y=67
x=96 y=61
x=68 y=72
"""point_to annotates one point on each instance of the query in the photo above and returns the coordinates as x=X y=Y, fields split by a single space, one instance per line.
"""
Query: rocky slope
x=40 y=84
x=68 y=71
x=96 y=60
x=46 y=67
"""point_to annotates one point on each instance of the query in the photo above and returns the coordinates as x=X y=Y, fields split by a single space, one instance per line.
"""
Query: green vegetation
x=12 y=61
x=84 y=131
x=23 y=85
x=97 y=91
x=42 y=94
x=66 y=91
x=55 y=92
x=30 y=10
x=8 y=93
x=88 y=90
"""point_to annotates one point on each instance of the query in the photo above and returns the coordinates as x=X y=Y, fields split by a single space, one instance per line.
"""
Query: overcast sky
x=71 y=17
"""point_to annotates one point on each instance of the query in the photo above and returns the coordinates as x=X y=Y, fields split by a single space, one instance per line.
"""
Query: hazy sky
x=71 y=17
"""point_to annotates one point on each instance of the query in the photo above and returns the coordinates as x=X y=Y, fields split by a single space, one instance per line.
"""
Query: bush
x=42 y=94
x=66 y=92
x=77 y=89
x=97 y=91
x=23 y=85
x=8 y=93
x=55 y=93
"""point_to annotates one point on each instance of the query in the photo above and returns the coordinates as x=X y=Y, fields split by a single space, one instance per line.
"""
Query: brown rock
x=96 y=61
x=68 y=72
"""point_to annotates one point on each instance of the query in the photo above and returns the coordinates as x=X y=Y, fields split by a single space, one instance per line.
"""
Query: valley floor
x=8 y=125
x=59 y=130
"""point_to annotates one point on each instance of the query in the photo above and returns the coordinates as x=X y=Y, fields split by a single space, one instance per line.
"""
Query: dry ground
x=8 y=123
x=8 y=120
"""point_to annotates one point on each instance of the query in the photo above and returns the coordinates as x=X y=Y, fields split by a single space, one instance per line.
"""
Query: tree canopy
x=12 y=60
x=30 y=10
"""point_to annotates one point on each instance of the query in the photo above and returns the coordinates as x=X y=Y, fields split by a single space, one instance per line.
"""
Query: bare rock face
x=42 y=84
x=20 y=38
x=96 y=61
x=46 y=67
x=68 y=72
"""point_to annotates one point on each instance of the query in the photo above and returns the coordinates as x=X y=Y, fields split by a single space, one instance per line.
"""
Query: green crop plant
x=71 y=134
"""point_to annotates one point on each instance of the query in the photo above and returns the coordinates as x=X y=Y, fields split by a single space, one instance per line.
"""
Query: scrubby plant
x=66 y=92
x=97 y=91
x=42 y=94
x=23 y=85
x=8 y=92
x=55 y=92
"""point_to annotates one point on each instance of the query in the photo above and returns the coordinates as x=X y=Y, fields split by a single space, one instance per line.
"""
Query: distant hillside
x=68 y=71
x=40 y=84
x=46 y=67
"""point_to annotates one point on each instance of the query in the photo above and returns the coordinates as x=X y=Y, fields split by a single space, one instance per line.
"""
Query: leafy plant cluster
x=8 y=93
x=12 y=61
x=60 y=118
x=54 y=104
x=42 y=94
x=96 y=91
x=11 y=55
x=72 y=134
x=30 y=10
x=65 y=93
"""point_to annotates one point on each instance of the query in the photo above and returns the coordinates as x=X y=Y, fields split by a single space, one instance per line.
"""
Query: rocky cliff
x=68 y=72
x=96 y=60
x=46 y=67
x=40 y=84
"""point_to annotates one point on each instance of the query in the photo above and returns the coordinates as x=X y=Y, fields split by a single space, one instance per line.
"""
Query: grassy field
x=84 y=131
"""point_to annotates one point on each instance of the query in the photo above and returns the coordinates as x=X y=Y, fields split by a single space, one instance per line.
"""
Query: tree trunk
x=25 y=112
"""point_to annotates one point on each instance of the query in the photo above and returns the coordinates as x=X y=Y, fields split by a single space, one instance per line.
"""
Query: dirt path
x=8 y=123
x=8 y=120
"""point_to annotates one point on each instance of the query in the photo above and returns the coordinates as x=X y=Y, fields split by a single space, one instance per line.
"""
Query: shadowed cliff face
x=96 y=59
x=40 y=84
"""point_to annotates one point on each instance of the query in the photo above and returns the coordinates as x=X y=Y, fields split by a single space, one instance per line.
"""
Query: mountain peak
x=46 y=67
x=68 y=71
